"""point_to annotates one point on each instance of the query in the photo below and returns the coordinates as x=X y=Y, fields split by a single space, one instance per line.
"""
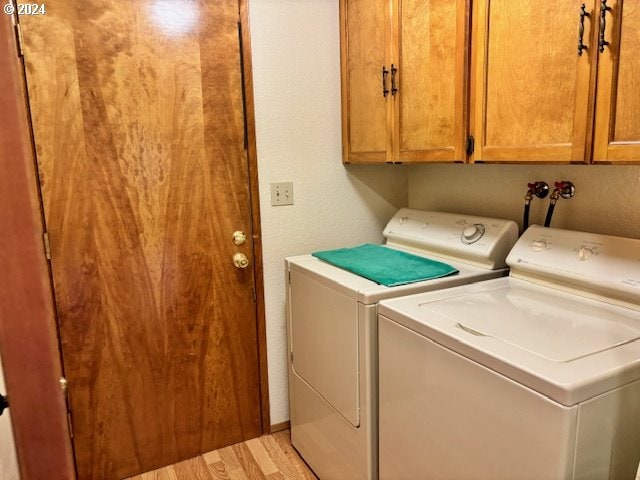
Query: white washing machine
x=332 y=329
x=534 y=376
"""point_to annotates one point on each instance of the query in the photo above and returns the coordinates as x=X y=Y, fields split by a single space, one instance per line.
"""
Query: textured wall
x=607 y=197
x=296 y=62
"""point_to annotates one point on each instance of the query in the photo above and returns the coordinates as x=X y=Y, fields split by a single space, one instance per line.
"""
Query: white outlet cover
x=281 y=194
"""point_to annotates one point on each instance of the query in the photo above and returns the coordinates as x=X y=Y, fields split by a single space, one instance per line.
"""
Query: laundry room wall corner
x=297 y=109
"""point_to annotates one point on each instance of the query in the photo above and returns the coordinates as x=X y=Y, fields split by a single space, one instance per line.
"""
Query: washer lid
x=566 y=347
x=558 y=329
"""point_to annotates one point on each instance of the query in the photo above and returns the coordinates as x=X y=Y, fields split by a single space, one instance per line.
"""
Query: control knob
x=538 y=245
x=584 y=253
x=472 y=233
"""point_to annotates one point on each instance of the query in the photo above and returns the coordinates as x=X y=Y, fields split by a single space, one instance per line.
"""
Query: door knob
x=239 y=238
x=240 y=260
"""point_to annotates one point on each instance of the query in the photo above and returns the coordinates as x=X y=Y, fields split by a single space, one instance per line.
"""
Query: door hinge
x=64 y=386
x=255 y=297
x=291 y=357
x=289 y=277
x=471 y=144
x=47 y=246
x=70 y=424
x=19 y=40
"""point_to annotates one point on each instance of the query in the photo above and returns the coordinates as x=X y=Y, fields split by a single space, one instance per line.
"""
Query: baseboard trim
x=278 y=427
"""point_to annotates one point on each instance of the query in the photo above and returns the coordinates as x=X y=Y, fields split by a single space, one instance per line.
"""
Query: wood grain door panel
x=531 y=89
x=138 y=123
x=432 y=50
x=366 y=113
x=617 y=137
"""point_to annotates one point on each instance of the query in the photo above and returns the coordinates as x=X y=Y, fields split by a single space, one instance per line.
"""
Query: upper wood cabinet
x=542 y=93
x=404 y=71
x=558 y=85
x=532 y=91
x=617 y=130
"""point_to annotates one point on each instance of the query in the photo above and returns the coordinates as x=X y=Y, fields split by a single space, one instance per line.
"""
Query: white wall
x=296 y=66
x=607 y=197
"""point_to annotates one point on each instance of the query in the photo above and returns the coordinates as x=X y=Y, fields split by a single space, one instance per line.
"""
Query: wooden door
x=367 y=112
x=532 y=97
x=432 y=42
x=617 y=135
x=138 y=124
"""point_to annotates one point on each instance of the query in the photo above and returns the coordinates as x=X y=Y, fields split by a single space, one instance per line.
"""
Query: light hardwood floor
x=269 y=457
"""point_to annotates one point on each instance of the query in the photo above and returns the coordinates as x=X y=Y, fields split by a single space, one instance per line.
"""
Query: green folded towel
x=385 y=265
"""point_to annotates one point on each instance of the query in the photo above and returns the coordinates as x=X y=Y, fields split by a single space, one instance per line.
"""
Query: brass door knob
x=240 y=260
x=239 y=238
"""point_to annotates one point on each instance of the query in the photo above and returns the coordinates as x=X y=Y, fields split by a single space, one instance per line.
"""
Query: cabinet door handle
x=581 y=45
x=385 y=76
x=394 y=88
x=603 y=24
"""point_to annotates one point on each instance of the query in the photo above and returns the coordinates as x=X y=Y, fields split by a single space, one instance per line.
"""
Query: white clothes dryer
x=332 y=332
x=534 y=376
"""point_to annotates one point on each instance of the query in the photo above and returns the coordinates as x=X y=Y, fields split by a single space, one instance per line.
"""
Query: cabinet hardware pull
x=394 y=88
x=603 y=24
x=581 y=45
x=385 y=75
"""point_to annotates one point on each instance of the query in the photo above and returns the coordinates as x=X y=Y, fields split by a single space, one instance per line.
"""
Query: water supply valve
x=539 y=189
x=565 y=189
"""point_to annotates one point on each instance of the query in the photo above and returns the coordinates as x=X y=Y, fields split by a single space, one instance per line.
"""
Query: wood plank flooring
x=270 y=457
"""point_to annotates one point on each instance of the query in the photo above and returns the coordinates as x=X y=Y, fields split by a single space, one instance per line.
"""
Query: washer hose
x=527 y=208
x=552 y=206
x=563 y=189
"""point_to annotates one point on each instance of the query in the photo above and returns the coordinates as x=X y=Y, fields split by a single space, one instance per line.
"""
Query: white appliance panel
x=476 y=321
x=476 y=240
x=443 y=417
x=324 y=343
x=333 y=447
x=608 y=441
x=597 y=265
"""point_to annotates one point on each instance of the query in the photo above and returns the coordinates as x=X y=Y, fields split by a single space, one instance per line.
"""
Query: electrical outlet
x=281 y=194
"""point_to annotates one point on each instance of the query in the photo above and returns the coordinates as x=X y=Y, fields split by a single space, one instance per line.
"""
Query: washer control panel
x=477 y=240
x=595 y=262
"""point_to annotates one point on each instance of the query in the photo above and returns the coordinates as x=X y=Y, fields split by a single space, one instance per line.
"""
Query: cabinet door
x=617 y=134
x=531 y=89
x=432 y=51
x=366 y=111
